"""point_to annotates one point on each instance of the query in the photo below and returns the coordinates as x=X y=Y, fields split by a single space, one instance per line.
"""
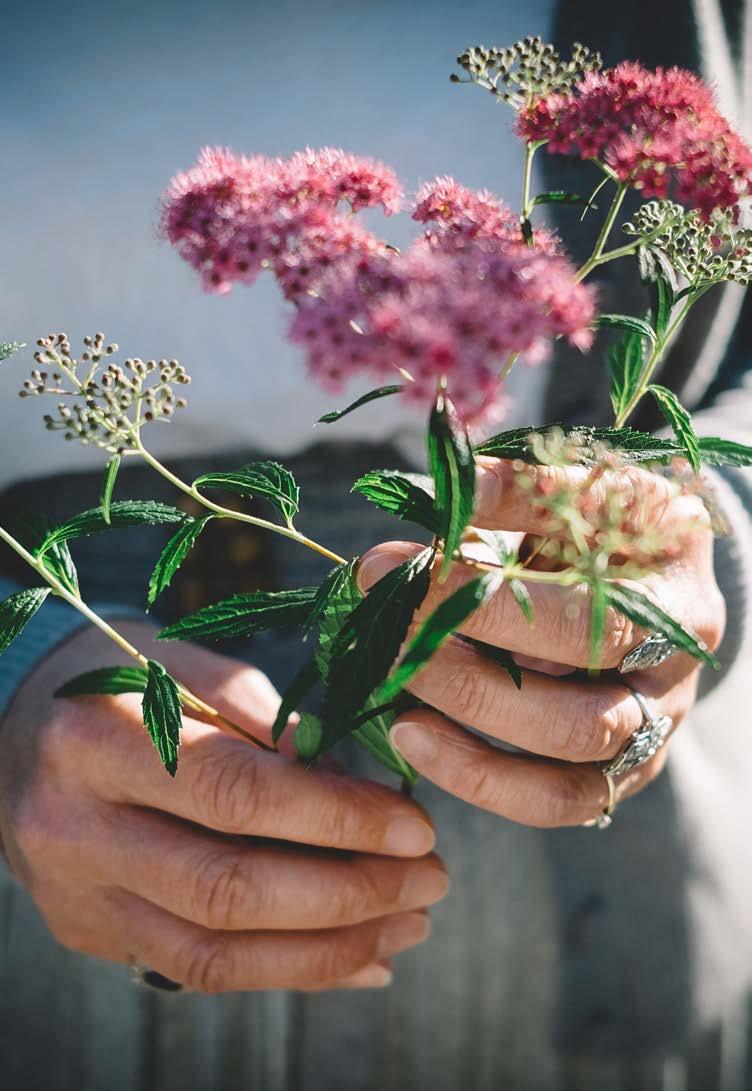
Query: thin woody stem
x=597 y=255
x=125 y=645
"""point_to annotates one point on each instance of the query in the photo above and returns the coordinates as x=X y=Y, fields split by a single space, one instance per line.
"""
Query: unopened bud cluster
x=528 y=70
x=105 y=403
x=701 y=252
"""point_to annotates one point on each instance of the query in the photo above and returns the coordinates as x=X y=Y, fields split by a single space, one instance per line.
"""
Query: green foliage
x=8 y=348
x=336 y=583
x=173 y=555
x=301 y=685
x=163 y=716
x=438 y=626
x=625 y=363
x=521 y=596
x=453 y=469
x=243 y=615
x=598 y=607
x=643 y=612
x=409 y=496
x=106 y=680
x=561 y=197
x=268 y=479
x=123 y=513
x=584 y=445
x=308 y=736
x=626 y=322
x=500 y=656
x=57 y=560
x=17 y=611
x=681 y=422
x=372 y=395
x=110 y=476
x=715 y=451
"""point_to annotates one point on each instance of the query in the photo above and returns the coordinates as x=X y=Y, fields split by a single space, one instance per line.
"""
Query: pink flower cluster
x=657 y=130
x=465 y=297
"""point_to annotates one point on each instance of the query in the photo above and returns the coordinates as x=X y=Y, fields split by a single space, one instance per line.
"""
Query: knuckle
x=361 y=893
x=221 y=891
x=619 y=635
x=341 y=955
x=229 y=790
x=208 y=965
x=584 y=735
x=476 y=782
x=566 y=800
x=714 y=626
x=467 y=690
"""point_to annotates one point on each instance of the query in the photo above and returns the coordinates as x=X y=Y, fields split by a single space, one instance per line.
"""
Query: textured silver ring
x=644 y=743
x=604 y=819
x=143 y=975
x=651 y=652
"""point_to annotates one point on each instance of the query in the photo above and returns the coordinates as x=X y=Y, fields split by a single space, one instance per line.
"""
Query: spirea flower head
x=659 y=131
x=232 y=215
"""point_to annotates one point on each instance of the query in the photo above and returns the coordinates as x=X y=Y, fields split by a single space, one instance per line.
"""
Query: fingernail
x=408 y=837
x=374 y=567
x=424 y=885
x=374 y=976
x=401 y=932
x=415 y=742
x=487 y=488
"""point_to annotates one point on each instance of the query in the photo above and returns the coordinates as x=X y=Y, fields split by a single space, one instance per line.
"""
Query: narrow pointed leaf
x=308 y=735
x=625 y=363
x=409 y=496
x=8 y=348
x=302 y=684
x=631 y=445
x=173 y=555
x=453 y=469
x=598 y=607
x=243 y=615
x=106 y=680
x=162 y=713
x=521 y=596
x=110 y=476
x=664 y=303
x=500 y=656
x=337 y=580
x=715 y=451
x=268 y=479
x=33 y=532
x=561 y=197
x=372 y=395
x=438 y=626
x=626 y=322
x=123 y=513
x=643 y=612
x=17 y=611
x=681 y=422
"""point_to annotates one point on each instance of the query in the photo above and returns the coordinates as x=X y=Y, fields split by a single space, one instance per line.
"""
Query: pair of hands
x=225 y=878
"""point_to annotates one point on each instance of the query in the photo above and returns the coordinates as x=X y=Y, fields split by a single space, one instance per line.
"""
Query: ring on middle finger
x=644 y=743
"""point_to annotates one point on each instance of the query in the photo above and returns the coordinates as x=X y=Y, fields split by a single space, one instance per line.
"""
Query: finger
x=214 y=962
x=508 y=497
x=375 y=976
x=573 y=719
x=226 y=883
x=226 y=785
x=560 y=627
x=531 y=791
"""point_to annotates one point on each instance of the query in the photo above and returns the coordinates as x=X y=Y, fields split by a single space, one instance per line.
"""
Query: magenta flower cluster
x=467 y=296
x=659 y=131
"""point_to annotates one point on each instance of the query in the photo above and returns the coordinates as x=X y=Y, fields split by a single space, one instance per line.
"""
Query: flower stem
x=597 y=255
x=229 y=513
x=125 y=645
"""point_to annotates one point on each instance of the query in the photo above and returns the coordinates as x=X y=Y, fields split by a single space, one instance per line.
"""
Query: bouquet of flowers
x=481 y=290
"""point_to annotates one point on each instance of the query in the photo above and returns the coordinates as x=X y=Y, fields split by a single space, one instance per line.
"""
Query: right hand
x=218 y=879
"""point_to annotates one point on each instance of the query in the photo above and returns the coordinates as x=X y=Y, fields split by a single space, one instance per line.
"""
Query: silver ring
x=144 y=975
x=653 y=651
x=604 y=819
x=645 y=742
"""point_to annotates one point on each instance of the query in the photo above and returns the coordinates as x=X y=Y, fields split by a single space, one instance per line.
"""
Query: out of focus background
x=101 y=103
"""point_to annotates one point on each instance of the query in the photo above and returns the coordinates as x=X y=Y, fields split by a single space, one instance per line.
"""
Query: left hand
x=572 y=722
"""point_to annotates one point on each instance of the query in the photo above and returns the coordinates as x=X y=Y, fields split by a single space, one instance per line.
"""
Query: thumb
x=375 y=564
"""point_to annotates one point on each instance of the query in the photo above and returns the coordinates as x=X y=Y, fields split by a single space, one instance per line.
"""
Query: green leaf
x=500 y=656
x=625 y=362
x=643 y=612
x=308 y=735
x=453 y=469
x=438 y=626
x=631 y=445
x=366 y=645
x=626 y=322
x=302 y=684
x=598 y=607
x=243 y=615
x=123 y=513
x=8 y=348
x=561 y=197
x=521 y=596
x=664 y=303
x=268 y=479
x=17 y=611
x=338 y=579
x=110 y=476
x=715 y=451
x=173 y=555
x=372 y=395
x=681 y=422
x=105 y=680
x=32 y=532
x=409 y=496
x=162 y=714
